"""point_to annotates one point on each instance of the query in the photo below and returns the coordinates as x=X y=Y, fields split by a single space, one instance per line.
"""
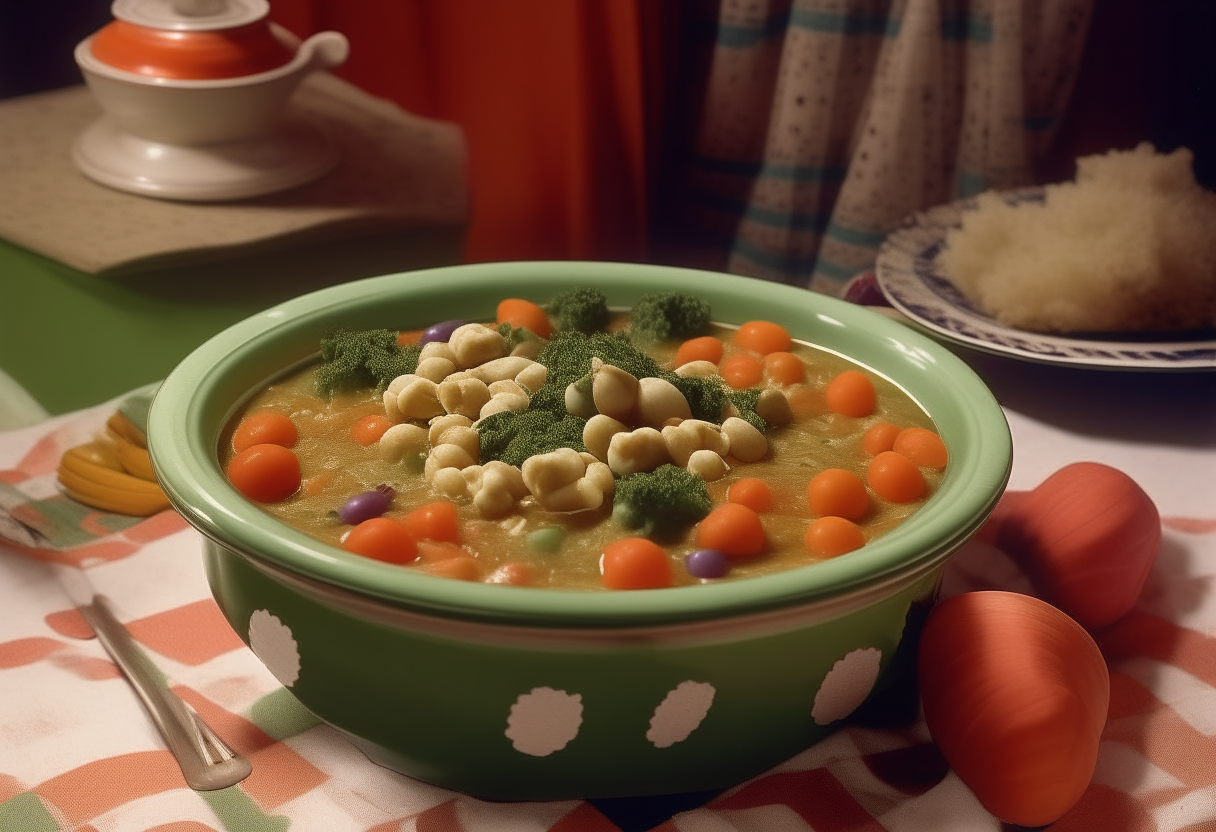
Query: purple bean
x=364 y=506
x=439 y=332
x=706 y=563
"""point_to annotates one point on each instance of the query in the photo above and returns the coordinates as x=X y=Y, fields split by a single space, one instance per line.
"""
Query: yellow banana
x=82 y=479
x=101 y=453
x=105 y=477
x=107 y=489
x=120 y=502
x=135 y=460
x=126 y=429
x=113 y=472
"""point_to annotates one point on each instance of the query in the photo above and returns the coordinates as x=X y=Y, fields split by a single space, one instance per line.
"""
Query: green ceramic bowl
x=516 y=693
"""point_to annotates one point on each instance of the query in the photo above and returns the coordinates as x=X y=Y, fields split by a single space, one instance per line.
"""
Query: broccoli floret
x=568 y=356
x=513 y=336
x=357 y=359
x=660 y=503
x=706 y=396
x=661 y=315
x=745 y=402
x=514 y=436
x=583 y=310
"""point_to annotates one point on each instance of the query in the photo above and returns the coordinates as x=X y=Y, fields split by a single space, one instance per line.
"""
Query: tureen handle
x=324 y=50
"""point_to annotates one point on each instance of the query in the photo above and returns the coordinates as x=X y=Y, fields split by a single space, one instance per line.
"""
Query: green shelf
x=73 y=340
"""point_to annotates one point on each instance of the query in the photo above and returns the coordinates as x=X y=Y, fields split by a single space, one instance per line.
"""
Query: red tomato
x=265 y=473
x=1087 y=537
x=1015 y=695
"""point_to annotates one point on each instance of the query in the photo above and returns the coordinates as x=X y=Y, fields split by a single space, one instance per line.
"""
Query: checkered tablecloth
x=78 y=753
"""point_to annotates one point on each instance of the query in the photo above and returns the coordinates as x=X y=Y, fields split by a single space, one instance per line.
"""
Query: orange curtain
x=552 y=96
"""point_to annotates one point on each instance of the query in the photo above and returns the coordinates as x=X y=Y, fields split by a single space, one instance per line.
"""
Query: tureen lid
x=190 y=15
x=191 y=39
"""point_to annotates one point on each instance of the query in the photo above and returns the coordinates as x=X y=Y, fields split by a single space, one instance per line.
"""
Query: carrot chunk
x=838 y=492
x=368 y=430
x=267 y=428
x=896 y=478
x=879 y=437
x=524 y=313
x=784 y=367
x=851 y=394
x=265 y=473
x=922 y=446
x=763 y=337
x=635 y=563
x=752 y=492
x=382 y=538
x=706 y=348
x=733 y=529
x=434 y=521
x=832 y=536
x=742 y=371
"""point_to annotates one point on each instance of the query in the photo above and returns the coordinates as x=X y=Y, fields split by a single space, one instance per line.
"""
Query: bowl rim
x=199 y=396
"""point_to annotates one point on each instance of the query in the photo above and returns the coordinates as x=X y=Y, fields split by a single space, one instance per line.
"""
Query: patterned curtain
x=826 y=122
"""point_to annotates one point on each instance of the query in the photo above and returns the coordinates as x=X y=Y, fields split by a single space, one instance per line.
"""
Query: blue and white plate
x=912 y=280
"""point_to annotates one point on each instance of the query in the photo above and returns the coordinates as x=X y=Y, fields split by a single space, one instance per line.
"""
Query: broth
x=334 y=468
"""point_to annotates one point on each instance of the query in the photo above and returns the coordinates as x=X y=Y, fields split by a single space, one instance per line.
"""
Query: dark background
x=1148 y=72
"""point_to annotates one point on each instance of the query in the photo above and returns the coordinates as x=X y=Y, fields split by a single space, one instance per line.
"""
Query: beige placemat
x=396 y=169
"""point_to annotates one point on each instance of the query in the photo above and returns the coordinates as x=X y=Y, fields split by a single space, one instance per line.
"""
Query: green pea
x=547 y=540
x=414 y=463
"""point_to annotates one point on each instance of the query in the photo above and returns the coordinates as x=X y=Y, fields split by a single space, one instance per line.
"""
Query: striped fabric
x=78 y=753
x=826 y=122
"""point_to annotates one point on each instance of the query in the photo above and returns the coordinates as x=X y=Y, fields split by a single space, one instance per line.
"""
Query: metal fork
x=206 y=761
